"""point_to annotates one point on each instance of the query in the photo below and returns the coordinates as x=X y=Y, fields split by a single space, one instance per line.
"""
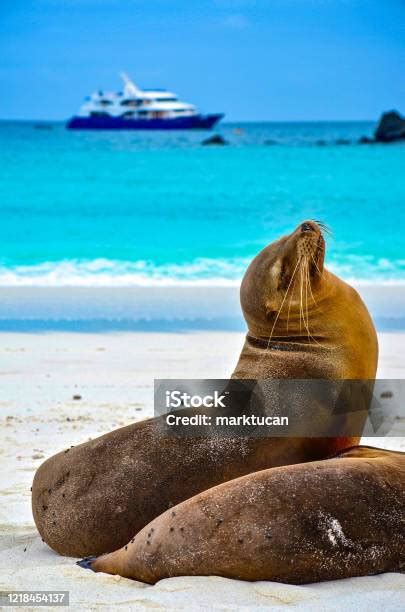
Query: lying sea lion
x=303 y=322
x=329 y=519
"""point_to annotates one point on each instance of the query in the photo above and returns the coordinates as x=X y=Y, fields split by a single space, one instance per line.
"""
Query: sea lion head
x=287 y=295
x=280 y=284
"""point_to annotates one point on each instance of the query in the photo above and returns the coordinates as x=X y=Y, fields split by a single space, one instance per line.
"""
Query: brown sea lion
x=303 y=322
x=324 y=520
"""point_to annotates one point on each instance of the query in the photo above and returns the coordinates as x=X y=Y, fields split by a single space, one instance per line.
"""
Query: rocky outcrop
x=390 y=128
x=366 y=140
x=216 y=139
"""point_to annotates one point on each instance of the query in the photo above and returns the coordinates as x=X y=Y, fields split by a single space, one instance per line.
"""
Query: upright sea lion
x=313 y=324
x=303 y=322
x=324 y=520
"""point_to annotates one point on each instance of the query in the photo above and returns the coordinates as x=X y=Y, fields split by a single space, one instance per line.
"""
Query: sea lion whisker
x=277 y=316
x=316 y=265
x=301 y=308
x=306 y=323
x=289 y=304
x=317 y=245
x=282 y=303
x=323 y=226
x=310 y=289
x=304 y=284
x=304 y=293
x=306 y=288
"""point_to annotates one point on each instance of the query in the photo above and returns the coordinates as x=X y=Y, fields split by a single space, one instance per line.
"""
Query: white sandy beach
x=113 y=375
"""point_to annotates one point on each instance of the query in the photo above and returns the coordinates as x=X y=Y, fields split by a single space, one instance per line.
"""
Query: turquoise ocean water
x=130 y=208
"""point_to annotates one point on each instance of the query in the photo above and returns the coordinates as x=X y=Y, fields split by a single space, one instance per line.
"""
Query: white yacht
x=139 y=109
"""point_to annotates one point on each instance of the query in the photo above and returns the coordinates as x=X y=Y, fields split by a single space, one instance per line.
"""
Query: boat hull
x=196 y=122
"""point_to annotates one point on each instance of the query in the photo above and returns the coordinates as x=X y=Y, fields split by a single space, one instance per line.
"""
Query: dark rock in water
x=216 y=139
x=320 y=143
x=366 y=140
x=342 y=141
x=269 y=142
x=390 y=128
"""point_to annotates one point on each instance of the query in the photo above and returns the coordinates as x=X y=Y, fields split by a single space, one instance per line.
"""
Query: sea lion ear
x=270 y=309
x=275 y=269
x=276 y=272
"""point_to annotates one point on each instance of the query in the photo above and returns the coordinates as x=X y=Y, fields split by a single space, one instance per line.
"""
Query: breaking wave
x=202 y=271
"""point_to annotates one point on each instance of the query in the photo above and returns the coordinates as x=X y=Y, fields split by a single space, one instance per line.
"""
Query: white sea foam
x=115 y=273
x=199 y=272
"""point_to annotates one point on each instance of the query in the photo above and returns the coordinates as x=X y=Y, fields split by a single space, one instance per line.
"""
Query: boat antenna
x=130 y=89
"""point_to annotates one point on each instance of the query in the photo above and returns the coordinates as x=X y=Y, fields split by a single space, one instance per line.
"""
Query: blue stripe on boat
x=203 y=122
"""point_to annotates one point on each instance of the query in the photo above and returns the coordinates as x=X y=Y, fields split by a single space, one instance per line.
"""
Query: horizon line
x=232 y=121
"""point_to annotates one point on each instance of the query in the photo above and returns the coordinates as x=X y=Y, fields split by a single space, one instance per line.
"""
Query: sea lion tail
x=87 y=563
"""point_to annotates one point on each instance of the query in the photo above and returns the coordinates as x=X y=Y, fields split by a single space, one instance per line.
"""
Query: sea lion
x=92 y=498
x=324 y=520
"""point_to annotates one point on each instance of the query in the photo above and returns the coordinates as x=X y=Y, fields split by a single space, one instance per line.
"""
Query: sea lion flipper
x=86 y=563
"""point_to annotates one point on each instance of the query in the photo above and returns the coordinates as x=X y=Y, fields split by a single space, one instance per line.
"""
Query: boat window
x=105 y=102
x=130 y=102
x=99 y=114
x=166 y=99
x=128 y=114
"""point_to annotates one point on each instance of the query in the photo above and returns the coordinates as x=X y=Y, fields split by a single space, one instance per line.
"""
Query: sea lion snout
x=310 y=245
x=306 y=227
x=309 y=225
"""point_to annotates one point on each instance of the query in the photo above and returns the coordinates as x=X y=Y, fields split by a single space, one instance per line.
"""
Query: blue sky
x=253 y=59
